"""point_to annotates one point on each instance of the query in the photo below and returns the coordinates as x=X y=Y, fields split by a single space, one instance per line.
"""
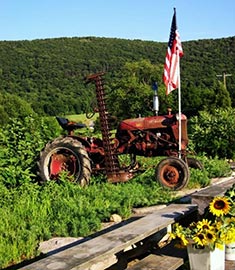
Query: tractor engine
x=152 y=136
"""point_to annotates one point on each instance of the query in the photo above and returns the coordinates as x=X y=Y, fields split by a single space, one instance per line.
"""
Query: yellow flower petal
x=219 y=206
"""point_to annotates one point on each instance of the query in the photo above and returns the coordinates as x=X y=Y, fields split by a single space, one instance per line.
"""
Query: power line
x=224 y=75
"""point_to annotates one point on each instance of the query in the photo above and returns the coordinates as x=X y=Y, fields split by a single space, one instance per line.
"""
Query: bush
x=213 y=134
x=20 y=143
x=12 y=106
x=198 y=178
x=212 y=168
x=216 y=167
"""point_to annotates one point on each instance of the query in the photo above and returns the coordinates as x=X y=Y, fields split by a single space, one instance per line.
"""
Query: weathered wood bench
x=158 y=262
x=90 y=254
x=168 y=261
x=203 y=197
x=166 y=258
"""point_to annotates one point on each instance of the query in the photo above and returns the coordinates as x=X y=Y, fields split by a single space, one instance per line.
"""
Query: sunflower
x=219 y=206
x=210 y=236
x=184 y=240
x=178 y=235
x=205 y=224
x=200 y=239
x=178 y=231
x=181 y=241
x=228 y=236
x=218 y=225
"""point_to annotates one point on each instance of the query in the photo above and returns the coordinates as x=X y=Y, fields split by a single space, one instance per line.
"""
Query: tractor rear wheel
x=65 y=154
x=172 y=173
x=194 y=163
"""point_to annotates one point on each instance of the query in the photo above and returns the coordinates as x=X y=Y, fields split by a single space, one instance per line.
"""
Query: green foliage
x=222 y=98
x=198 y=178
x=216 y=167
x=12 y=106
x=20 y=143
x=31 y=213
x=213 y=134
x=53 y=79
x=212 y=168
x=209 y=98
x=131 y=94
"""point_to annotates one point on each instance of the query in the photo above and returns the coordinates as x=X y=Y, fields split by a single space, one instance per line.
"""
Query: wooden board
x=158 y=262
x=83 y=256
x=229 y=265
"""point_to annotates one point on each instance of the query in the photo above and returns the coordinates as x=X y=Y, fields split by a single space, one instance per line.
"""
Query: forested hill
x=49 y=73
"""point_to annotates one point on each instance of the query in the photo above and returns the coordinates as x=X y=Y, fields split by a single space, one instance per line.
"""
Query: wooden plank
x=158 y=262
x=229 y=265
x=171 y=250
x=203 y=197
x=98 y=249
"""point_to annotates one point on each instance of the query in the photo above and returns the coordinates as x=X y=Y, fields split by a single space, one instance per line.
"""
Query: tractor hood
x=151 y=122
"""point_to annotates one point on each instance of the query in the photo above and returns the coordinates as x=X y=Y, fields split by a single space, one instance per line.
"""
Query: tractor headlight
x=177 y=115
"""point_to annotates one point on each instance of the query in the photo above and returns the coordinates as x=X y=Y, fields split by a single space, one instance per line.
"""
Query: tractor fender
x=83 y=140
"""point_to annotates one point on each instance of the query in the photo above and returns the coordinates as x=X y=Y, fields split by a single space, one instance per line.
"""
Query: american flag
x=174 y=51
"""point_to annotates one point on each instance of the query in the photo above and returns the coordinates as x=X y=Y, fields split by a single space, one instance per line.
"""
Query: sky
x=128 y=19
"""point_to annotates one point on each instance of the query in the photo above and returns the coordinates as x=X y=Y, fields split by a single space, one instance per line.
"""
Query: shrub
x=212 y=168
x=20 y=143
x=198 y=178
x=12 y=106
x=213 y=134
x=216 y=167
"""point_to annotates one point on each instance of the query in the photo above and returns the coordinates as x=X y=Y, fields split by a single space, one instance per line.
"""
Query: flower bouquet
x=212 y=232
x=229 y=223
x=215 y=229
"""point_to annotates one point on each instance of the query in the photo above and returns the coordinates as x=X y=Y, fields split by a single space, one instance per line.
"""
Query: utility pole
x=224 y=75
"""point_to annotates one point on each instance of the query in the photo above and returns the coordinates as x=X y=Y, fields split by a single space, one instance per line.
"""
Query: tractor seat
x=69 y=125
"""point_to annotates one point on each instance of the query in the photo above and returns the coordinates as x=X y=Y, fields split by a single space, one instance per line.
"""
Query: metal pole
x=179 y=100
x=224 y=75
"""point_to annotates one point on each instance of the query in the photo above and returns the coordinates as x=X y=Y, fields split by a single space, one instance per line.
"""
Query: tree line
x=48 y=74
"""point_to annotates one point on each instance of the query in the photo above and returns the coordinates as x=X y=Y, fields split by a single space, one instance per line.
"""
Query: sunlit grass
x=81 y=118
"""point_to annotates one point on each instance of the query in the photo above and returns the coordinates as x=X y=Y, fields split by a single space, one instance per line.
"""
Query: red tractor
x=144 y=136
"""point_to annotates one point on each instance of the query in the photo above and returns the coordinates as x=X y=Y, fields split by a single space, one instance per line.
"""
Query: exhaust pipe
x=155 y=98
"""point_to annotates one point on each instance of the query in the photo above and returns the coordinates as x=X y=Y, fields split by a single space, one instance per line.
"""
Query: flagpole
x=171 y=75
x=179 y=105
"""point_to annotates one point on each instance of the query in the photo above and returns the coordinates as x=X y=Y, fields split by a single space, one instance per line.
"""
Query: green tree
x=222 y=99
x=52 y=70
x=130 y=94
x=12 y=106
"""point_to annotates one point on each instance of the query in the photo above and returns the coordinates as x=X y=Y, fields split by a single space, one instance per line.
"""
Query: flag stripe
x=174 y=51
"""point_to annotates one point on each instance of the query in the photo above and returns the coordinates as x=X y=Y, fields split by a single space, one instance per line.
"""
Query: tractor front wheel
x=65 y=154
x=172 y=173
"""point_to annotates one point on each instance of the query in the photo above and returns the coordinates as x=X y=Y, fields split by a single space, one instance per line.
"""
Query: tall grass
x=33 y=213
